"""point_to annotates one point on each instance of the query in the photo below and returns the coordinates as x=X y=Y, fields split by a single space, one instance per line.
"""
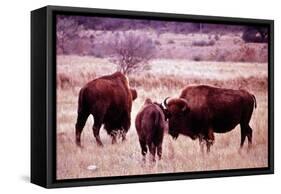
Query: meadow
x=165 y=77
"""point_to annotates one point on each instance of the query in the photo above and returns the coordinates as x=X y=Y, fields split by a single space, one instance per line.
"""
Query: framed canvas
x=126 y=96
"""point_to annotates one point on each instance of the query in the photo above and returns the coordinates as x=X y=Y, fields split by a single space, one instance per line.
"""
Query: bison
x=200 y=111
x=109 y=100
x=150 y=125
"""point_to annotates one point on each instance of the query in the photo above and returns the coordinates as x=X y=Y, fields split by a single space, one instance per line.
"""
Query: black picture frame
x=43 y=97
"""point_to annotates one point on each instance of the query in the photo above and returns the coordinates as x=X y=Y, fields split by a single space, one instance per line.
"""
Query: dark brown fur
x=109 y=100
x=200 y=111
x=150 y=126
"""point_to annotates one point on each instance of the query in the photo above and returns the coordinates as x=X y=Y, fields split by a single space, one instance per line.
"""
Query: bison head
x=177 y=111
x=164 y=110
x=133 y=93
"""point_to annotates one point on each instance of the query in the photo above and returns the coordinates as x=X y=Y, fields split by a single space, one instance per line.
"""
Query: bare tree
x=67 y=32
x=131 y=52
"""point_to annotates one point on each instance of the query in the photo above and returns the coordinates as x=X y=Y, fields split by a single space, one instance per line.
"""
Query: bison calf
x=150 y=126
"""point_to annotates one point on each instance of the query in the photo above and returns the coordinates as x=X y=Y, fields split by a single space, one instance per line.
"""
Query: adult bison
x=202 y=110
x=109 y=99
x=150 y=125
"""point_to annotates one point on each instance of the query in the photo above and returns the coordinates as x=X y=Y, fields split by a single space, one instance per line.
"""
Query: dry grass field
x=165 y=78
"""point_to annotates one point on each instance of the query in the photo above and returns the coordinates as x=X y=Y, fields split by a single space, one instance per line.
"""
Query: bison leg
x=80 y=123
x=152 y=150
x=159 y=151
x=123 y=135
x=210 y=139
x=201 y=143
x=126 y=123
x=96 y=130
x=143 y=148
x=249 y=136
x=209 y=144
x=113 y=135
x=243 y=136
x=246 y=131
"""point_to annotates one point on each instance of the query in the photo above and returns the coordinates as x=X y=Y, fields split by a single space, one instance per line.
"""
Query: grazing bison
x=200 y=111
x=109 y=100
x=150 y=126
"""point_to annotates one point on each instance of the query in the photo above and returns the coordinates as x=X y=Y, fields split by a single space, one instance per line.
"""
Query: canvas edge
x=38 y=115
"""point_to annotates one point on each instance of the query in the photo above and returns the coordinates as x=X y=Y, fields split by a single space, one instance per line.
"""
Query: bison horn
x=165 y=102
x=184 y=100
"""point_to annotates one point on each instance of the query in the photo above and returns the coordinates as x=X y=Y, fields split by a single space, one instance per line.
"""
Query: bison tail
x=255 y=101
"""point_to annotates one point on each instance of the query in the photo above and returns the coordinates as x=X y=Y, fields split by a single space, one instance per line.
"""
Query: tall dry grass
x=165 y=78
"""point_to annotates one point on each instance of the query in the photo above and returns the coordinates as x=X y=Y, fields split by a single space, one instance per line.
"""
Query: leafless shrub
x=131 y=52
x=217 y=37
x=68 y=40
x=237 y=41
x=157 y=42
x=64 y=81
x=197 y=58
x=203 y=43
x=219 y=55
x=263 y=54
x=247 y=54
x=171 y=41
